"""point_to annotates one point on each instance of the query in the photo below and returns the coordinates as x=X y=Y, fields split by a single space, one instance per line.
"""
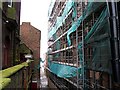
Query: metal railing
x=17 y=77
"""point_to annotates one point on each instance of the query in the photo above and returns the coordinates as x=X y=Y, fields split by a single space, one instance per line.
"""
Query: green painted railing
x=4 y=82
x=9 y=71
x=6 y=73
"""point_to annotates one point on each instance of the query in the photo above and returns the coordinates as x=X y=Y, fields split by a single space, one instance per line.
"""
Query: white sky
x=36 y=11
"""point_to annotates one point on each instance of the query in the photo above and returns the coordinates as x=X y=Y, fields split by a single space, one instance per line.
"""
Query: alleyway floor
x=43 y=79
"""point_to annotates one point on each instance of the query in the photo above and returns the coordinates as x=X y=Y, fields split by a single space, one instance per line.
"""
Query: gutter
x=114 y=39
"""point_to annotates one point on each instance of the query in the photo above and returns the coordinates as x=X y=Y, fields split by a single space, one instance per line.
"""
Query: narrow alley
x=60 y=44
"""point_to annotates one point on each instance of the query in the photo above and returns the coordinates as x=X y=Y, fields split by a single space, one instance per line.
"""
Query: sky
x=36 y=12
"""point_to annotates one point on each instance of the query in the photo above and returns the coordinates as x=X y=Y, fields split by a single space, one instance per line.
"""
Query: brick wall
x=31 y=37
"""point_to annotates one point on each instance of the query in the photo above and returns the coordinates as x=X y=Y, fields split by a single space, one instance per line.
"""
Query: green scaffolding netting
x=98 y=40
x=62 y=70
x=101 y=21
x=101 y=56
x=75 y=25
x=61 y=19
x=98 y=35
x=92 y=6
x=51 y=7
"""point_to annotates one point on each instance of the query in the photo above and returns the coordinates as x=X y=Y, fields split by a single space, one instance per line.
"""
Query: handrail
x=10 y=71
x=6 y=73
x=4 y=82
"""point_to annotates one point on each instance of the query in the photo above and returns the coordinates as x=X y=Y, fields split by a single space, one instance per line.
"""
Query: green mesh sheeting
x=73 y=28
x=74 y=14
x=98 y=24
x=60 y=20
x=92 y=6
x=101 y=56
x=51 y=7
x=99 y=35
x=63 y=71
x=98 y=40
x=57 y=46
x=100 y=47
x=80 y=51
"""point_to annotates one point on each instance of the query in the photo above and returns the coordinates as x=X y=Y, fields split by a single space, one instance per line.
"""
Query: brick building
x=83 y=52
x=31 y=36
x=9 y=32
x=13 y=75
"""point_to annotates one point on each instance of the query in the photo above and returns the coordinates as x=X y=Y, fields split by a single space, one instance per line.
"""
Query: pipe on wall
x=115 y=38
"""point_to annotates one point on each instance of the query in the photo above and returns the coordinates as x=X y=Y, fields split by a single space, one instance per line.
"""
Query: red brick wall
x=31 y=37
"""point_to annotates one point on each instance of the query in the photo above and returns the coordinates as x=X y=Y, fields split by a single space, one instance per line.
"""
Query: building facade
x=10 y=32
x=81 y=45
x=31 y=37
x=15 y=71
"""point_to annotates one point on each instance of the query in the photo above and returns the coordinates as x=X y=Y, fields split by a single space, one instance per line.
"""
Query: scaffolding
x=79 y=45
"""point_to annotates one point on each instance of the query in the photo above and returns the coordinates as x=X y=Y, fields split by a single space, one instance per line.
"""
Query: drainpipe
x=115 y=39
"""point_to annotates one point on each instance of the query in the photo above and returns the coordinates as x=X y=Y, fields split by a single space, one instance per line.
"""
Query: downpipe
x=115 y=39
